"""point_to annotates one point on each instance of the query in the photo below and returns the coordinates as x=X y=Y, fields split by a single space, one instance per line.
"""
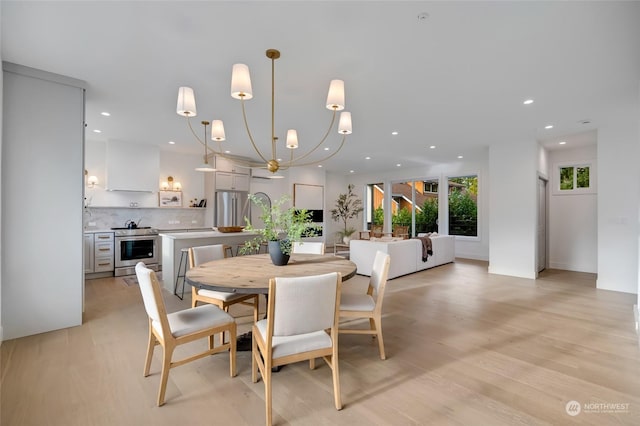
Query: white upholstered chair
x=308 y=247
x=202 y=254
x=354 y=306
x=177 y=328
x=301 y=324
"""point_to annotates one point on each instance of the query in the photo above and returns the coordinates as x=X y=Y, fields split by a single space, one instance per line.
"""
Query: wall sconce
x=92 y=181
x=170 y=185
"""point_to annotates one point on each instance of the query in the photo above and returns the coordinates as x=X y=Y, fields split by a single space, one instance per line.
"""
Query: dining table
x=250 y=274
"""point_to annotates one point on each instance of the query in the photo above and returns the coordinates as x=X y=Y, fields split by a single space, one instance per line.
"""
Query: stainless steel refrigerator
x=231 y=208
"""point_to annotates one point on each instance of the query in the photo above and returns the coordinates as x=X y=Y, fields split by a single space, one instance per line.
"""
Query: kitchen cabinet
x=103 y=252
x=232 y=181
x=225 y=165
x=88 y=253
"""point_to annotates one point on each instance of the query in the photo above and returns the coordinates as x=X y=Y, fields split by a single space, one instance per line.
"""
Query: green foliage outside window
x=583 y=177
x=378 y=216
x=427 y=219
x=403 y=217
x=463 y=209
x=566 y=178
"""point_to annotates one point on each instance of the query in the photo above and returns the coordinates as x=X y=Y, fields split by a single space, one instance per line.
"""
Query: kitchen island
x=174 y=242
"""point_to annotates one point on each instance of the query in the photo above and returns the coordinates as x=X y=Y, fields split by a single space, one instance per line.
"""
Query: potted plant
x=348 y=206
x=282 y=227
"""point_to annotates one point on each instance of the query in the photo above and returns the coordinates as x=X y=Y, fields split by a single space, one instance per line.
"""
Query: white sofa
x=406 y=255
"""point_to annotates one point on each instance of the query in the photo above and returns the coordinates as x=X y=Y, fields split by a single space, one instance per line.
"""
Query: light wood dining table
x=251 y=274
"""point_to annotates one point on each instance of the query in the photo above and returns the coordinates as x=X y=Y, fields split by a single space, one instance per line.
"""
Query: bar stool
x=182 y=265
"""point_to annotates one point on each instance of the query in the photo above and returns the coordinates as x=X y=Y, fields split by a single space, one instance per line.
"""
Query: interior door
x=542 y=224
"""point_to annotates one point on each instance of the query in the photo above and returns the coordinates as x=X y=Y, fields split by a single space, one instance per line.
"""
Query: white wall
x=618 y=201
x=1 y=119
x=513 y=207
x=573 y=224
x=178 y=165
x=42 y=239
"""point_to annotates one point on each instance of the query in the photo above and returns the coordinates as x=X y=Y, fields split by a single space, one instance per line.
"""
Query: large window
x=574 y=178
x=463 y=206
x=414 y=204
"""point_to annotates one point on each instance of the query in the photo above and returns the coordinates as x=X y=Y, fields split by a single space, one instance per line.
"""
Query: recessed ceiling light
x=562 y=143
x=394 y=133
x=550 y=126
x=319 y=165
x=351 y=171
x=367 y=158
x=432 y=147
x=528 y=102
x=460 y=156
x=172 y=143
x=279 y=159
x=97 y=131
x=326 y=148
x=227 y=152
x=423 y=16
x=398 y=165
x=105 y=113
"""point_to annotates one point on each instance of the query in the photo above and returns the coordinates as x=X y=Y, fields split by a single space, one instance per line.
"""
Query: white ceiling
x=456 y=80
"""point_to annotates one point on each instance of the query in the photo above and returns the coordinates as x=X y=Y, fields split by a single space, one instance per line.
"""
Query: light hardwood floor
x=464 y=347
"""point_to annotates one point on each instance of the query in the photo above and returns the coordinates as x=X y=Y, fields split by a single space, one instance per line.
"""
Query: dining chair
x=354 y=306
x=301 y=324
x=308 y=247
x=202 y=254
x=177 y=328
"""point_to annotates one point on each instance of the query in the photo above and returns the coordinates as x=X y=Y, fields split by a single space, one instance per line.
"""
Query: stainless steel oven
x=133 y=246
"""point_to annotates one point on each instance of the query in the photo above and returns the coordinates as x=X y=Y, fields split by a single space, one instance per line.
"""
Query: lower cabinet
x=88 y=253
x=99 y=252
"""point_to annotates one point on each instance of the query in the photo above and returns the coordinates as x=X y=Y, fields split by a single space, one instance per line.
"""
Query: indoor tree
x=348 y=206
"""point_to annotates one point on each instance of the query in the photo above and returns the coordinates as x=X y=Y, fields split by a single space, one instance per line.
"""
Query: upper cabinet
x=132 y=167
x=231 y=175
x=225 y=165
x=232 y=181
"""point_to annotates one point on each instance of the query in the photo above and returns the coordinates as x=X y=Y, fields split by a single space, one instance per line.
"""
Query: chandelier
x=241 y=89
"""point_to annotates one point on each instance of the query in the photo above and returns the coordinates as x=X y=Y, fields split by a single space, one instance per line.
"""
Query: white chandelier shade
x=241 y=89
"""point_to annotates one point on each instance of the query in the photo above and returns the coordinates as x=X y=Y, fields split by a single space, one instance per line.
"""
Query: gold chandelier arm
x=312 y=163
x=246 y=126
x=219 y=152
x=324 y=138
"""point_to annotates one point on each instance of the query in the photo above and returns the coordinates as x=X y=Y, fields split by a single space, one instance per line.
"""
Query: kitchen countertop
x=203 y=234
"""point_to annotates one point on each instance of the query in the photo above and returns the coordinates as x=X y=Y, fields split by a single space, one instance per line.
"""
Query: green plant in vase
x=282 y=226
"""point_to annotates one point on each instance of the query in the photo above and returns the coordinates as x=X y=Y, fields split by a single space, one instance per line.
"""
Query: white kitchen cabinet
x=88 y=253
x=231 y=181
x=103 y=252
x=225 y=165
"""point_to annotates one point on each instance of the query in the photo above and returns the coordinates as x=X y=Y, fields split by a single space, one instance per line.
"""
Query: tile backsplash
x=102 y=218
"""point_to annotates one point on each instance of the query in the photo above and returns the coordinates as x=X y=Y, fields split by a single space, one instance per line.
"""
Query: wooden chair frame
x=374 y=316
x=262 y=351
x=223 y=304
x=169 y=342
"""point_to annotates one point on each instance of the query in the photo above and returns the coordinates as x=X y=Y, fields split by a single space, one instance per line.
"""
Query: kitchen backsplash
x=102 y=218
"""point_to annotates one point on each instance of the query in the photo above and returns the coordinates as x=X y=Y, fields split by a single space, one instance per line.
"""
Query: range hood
x=132 y=167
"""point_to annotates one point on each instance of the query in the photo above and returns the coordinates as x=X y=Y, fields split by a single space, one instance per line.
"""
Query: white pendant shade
x=186 y=102
x=292 y=139
x=335 y=98
x=344 y=126
x=217 y=130
x=241 y=82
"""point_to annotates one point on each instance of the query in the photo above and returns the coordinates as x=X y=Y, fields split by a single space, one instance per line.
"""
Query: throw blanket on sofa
x=426 y=248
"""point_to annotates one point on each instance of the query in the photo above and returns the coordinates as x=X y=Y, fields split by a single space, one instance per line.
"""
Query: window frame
x=446 y=179
x=557 y=167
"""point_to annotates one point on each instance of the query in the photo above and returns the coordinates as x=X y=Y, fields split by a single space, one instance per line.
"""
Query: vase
x=277 y=257
x=346 y=239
